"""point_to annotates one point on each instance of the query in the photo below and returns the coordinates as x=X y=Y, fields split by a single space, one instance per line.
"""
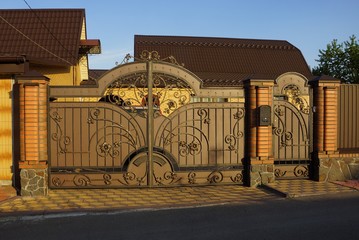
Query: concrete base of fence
x=260 y=174
x=34 y=182
x=338 y=169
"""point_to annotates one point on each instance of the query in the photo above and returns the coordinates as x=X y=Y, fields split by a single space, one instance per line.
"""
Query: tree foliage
x=340 y=60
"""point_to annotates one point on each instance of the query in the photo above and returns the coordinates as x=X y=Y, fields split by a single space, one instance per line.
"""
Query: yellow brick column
x=259 y=154
x=264 y=133
x=331 y=118
x=33 y=100
x=325 y=125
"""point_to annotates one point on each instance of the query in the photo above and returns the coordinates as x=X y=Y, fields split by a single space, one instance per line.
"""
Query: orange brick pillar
x=259 y=154
x=32 y=91
x=325 y=125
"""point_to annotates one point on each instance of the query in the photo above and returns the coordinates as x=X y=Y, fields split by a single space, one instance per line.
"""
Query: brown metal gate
x=291 y=128
x=144 y=129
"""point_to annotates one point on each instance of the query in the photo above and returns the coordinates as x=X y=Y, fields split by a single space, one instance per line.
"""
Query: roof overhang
x=90 y=46
x=10 y=65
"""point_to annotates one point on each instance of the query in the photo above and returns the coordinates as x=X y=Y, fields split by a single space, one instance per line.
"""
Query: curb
x=40 y=215
x=293 y=195
x=276 y=191
x=348 y=184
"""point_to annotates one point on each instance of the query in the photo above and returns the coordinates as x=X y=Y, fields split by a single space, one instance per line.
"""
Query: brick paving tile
x=296 y=188
x=107 y=199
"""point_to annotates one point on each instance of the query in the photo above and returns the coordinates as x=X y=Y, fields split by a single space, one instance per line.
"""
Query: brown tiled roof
x=324 y=77
x=227 y=61
x=30 y=32
x=95 y=74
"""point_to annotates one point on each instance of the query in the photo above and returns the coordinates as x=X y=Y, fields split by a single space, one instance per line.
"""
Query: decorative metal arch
x=291 y=78
x=136 y=68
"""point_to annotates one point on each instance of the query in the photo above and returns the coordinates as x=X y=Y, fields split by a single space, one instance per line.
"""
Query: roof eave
x=90 y=46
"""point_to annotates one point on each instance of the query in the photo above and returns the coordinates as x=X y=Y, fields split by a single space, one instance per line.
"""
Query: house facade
x=51 y=42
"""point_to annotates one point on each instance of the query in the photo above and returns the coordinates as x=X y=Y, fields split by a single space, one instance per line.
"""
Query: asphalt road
x=329 y=217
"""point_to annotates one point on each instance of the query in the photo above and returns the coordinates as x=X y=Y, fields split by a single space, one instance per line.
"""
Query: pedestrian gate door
x=291 y=132
x=145 y=124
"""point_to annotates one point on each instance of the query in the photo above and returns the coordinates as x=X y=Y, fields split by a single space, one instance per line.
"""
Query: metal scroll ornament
x=232 y=139
x=298 y=171
x=295 y=97
x=168 y=178
x=149 y=55
x=131 y=93
x=280 y=131
x=215 y=177
x=301 y=171
x=59 y=136
x=119 y=135
x=195 y=137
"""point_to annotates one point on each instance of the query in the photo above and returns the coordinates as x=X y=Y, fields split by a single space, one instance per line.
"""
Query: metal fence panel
x=348 y=118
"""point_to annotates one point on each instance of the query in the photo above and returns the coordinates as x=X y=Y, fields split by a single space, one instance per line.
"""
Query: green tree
x=340 y=60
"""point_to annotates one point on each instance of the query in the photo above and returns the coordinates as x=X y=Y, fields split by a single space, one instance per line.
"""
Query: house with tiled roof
x=224 y=61
x=51 y=42
x=227 y=61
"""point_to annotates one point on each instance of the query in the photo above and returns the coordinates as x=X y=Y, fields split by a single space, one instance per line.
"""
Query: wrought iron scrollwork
x=81 y=180
x=203 y=114
x=168 y=178
x=279 y=173
x=172 y=93
x=238 y=178
x=280 y=131
x=293 y=93
x=279 y=111
x=130 y=178
x=57 y=182
x=107 y=179
x=192 y=177
x=292 y=171
x=192 y=148
x=195 y=138
x=131 y=93
x=236 y=134
x=301 y=171
x=215 y=177
x=117 y=133
x=149 y=55
x=59 y=136
x=154 y=56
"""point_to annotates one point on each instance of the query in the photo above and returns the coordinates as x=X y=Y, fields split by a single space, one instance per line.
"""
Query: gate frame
x=299 y=169
x=33 y=100
x=149 y=66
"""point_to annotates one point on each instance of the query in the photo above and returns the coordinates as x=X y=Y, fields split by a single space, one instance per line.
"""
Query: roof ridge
x=219 y=44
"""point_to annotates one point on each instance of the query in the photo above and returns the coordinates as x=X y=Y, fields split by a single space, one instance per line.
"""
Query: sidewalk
x=6 y=192
x=302 y=188
x=100 y=200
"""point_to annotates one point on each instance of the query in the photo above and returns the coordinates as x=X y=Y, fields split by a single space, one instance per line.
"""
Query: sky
x=307 y=24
